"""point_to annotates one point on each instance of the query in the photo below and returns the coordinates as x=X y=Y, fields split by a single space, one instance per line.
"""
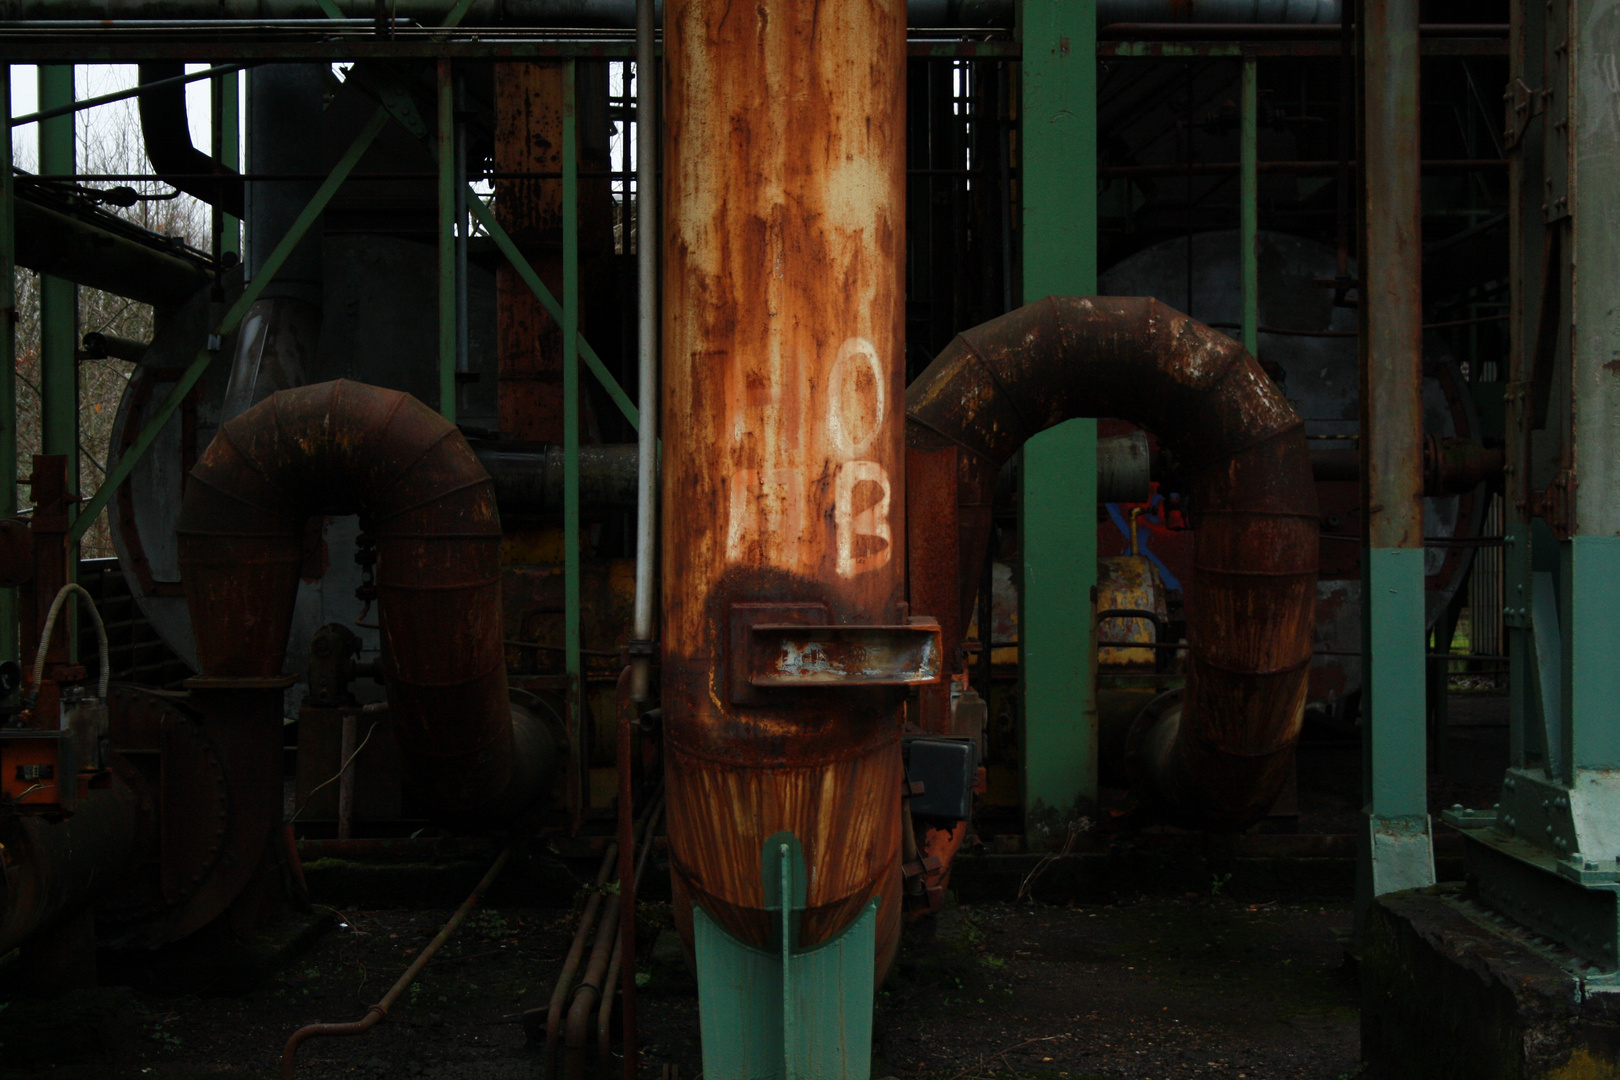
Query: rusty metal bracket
x=787 y=656
x=779 y=646
x=1522 y=104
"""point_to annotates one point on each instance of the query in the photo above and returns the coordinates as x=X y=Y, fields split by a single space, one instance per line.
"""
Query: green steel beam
x=1395 y=847
x=503 y=241
x=572 y=658
x=1249 y=205
x=8 y=361
x=227 y=88
x=233 y=318
x=58 y=299
x=398 y=101
x=446 y=153
x=1058 y=478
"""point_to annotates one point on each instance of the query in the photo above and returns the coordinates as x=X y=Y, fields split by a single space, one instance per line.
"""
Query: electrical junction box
x=946 y=769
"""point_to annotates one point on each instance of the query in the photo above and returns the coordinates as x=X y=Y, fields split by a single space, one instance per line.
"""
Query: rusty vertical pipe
x=784 y=212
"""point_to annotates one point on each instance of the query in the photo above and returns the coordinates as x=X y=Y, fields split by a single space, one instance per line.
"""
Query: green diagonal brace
x=397 y=101
x=487 y=218
x=233 y=318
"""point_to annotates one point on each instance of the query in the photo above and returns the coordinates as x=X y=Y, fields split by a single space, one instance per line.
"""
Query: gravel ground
x=1196 y=986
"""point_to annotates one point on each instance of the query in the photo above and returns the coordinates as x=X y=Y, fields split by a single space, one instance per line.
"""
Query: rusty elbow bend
x=1220 y=760
x=347 y=448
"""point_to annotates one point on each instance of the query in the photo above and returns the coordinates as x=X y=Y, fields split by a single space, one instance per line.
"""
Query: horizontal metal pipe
x=622 y=13
x=530 y=480
x=65 y=246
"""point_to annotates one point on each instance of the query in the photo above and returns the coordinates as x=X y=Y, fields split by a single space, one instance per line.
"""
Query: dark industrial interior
x=940 y=539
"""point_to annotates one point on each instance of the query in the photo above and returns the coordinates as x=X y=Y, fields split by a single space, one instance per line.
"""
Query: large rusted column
x=783 y=464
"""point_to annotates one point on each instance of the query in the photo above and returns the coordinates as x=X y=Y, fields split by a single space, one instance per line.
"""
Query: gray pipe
x=647 y=335
x=530 y=480
x=277 y=340
x=621 y=14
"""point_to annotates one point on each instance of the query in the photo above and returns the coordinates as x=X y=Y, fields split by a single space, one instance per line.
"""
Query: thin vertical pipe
x=1249 y=210
x=647 y=338
x=570 y=375
x=447 y=241
x=8 y=360
x=647 y=335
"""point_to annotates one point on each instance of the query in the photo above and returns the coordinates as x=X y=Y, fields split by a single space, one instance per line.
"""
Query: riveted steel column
x=1396 y=852
x=8 y=360
x=1249 y=203
x=1058 y=479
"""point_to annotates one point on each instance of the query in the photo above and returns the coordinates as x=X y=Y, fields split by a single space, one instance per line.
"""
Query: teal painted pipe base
x=786 y=1013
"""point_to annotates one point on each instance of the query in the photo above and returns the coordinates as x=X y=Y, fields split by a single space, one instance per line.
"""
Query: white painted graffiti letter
x=861 y=513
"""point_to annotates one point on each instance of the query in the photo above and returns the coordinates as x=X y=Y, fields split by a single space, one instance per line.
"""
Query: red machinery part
x=1250 y=617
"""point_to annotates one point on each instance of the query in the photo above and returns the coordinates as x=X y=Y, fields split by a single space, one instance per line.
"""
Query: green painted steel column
x=570 y=374
x=8 y=360
x=1058 y=477
x=447 y=241
x=1249 y=202
x=227 y=89
x=58 y=299
x=1590 y=561
x=1396 y=851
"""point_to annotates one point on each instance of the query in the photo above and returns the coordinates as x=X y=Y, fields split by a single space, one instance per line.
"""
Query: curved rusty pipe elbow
x=1251 y=600
x=348 y=448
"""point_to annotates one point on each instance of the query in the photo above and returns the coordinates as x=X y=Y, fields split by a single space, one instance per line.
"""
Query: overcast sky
x=92 y=80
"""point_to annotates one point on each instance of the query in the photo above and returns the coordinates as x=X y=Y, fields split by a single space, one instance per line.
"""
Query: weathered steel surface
x=933 y=568
x=788 y=656
x=341 y=448
x=783 y=474
x=1249 y=618
x=528 y=138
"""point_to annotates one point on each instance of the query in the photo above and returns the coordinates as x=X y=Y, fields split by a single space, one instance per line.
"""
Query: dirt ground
x=1146 y=987
x=1152 y=987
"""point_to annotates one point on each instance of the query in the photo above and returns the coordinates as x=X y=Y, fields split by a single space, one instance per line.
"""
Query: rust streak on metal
x=1250 y=619
x=784 y=301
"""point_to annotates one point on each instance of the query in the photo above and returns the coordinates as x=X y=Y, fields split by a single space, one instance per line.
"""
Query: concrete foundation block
x=1450 y=991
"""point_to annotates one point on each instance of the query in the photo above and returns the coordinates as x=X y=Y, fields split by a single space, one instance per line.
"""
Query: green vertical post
x=8 y=359
x=227 y=91
x=570 y=374
x=1396 y=851
x=59 y=407
x=1058 y=477
x=447 y=241
x=1249 y=202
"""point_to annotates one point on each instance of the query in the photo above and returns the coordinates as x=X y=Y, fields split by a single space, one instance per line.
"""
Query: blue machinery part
x=786 y=1013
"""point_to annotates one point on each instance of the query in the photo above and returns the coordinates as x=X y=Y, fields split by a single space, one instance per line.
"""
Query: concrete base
x=1450 y=991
